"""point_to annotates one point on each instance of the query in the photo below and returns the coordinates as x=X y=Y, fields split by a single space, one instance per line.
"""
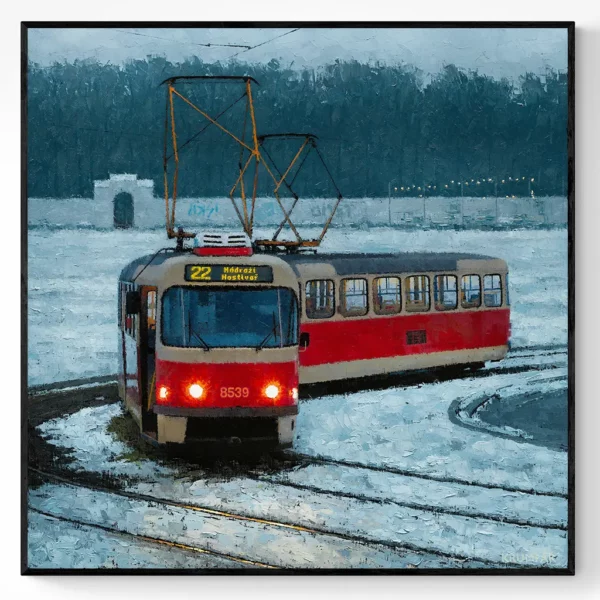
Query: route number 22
x=200 y=273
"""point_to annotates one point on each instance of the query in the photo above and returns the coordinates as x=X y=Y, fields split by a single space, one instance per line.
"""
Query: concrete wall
x=142 y=191
x=149 y=210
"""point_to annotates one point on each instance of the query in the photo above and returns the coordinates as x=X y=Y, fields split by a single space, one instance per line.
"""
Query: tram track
x=315 y=531
x=411 y=505
x=153 y=540
x=317 y=459
x=539 y=347
x=306 y=460
x=514 y=355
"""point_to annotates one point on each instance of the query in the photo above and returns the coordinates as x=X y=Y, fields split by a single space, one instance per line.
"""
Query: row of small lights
x=478 y=182
x=196 y=391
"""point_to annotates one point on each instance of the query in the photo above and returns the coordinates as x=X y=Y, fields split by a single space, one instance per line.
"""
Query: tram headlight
x=272 y=391
x=294 y=393
x=196 y=390
x=163 y=392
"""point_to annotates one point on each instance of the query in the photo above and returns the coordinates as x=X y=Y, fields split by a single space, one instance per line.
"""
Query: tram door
x=146 y=356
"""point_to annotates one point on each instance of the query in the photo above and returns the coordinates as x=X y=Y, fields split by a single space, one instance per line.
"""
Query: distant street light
x=390 y=198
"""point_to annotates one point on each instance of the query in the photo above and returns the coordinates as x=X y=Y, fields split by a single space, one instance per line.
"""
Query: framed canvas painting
x=299 y=298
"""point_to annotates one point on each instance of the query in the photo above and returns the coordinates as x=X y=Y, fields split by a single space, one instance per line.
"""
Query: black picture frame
x=28 y=410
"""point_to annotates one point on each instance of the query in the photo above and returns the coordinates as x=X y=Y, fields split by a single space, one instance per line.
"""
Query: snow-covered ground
x=58 y=544
x=73 y=282
x=448 y=496
x=394 y=481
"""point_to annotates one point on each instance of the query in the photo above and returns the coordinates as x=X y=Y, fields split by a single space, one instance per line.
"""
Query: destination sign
x=229 y=273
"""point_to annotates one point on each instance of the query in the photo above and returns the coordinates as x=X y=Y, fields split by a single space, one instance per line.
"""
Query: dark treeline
x=378 y=126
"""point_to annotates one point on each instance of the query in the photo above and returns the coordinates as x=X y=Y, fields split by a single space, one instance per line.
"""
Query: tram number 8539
x=235 y=392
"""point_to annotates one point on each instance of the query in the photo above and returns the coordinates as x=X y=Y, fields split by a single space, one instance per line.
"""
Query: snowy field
x=73 y=284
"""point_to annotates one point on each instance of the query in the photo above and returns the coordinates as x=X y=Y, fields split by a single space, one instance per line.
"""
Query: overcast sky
x=497 y=52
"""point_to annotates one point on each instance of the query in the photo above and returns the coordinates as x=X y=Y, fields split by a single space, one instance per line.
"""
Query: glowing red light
x=196 y=390
x=272 y=391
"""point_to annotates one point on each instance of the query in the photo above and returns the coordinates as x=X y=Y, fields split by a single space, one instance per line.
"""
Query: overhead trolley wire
x=265 y=42
x=208 y=45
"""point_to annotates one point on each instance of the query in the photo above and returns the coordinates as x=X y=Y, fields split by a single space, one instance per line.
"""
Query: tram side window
x=151 y=319
x=416 y=293
x=320 y=299
x=387 y=294
x=131 y=325
x=152 y=309
x=470 y=291
x=130 y=320
x=123 y=312
x=354 y=297
x=492 y=290
x=445 y=292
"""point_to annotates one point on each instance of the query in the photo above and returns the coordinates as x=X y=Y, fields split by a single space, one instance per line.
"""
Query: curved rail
x=359 y=539
x=153 y=540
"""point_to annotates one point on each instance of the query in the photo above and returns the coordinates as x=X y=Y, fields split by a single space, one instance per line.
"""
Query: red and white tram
x=215 y=341
x=370 y=314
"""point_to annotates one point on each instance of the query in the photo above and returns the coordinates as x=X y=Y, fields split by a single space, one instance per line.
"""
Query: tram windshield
x=229 y=318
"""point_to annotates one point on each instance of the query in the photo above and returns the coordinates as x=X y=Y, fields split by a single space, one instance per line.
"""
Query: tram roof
x=128 y=272
x=349 y=263
x=147 y=264
x=344 y=264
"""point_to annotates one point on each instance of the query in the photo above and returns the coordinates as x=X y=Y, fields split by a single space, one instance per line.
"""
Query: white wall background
x=149 y=211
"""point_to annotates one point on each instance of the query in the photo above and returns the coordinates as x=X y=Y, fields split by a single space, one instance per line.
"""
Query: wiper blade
x=200 y=339
x=266 y=339
x=268 y=336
